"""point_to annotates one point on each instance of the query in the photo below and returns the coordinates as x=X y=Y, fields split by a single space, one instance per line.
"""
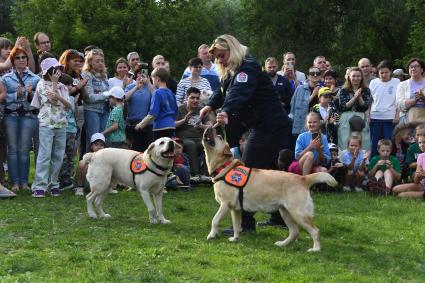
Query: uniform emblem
x=238 y=176
x=137 y=165
x=242 y=77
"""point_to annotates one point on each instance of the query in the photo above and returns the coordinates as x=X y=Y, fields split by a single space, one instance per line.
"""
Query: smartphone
x=145 y=72
x=290 y=66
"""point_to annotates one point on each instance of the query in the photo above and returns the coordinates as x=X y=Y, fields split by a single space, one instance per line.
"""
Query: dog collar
x=219 y=169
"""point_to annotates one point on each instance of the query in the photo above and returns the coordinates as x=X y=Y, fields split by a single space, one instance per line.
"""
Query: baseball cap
x=48 y=63
x=97 y=136
x=399 y=72
x=332 y=146
x=116 y=92
x=324 y=90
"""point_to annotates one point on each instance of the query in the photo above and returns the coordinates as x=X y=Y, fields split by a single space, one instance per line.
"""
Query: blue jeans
x=20 y=131
x=50 y=157
x=94 y=122
x=380 y=129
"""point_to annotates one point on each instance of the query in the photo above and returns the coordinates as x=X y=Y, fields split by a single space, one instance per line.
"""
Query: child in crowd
x=181 y=171
x=97 y=142
x=67 y=170
x=311 y=150
x=336 y=168
x=402 y=140
x=237 y=151
x=286 y=156
x=115 y=127
x=329 y=117
x=415 y=189
x=163 y=110
x=52 y=98
x=354 y=160
x=384 y=169
x=413 y=151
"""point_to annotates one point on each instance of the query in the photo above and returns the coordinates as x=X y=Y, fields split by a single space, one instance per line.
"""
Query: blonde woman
x=96 y=107
x=247 y=91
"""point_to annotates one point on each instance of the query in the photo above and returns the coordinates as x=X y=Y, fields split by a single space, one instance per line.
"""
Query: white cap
x=399 y=72
x=96 y=137
x=48 y=63
x=116 y=92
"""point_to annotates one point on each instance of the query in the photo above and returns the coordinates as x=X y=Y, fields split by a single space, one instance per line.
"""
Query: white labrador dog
x=111 y=166
x=265 y=190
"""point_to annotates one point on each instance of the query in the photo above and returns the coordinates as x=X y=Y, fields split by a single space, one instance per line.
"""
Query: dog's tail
x=320 y=177
x=88 y=156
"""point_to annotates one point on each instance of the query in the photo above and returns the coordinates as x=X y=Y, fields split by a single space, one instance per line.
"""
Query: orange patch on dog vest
x=137 y=165
x=238 y=176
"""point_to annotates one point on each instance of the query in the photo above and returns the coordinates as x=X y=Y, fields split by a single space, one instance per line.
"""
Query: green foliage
x=364 y=239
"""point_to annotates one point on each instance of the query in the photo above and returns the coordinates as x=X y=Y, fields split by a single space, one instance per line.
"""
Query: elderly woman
x=20 y=120
x=248 y=91
x=194 y=80
x=410 y=93
x=354 y=100
x=96 y=106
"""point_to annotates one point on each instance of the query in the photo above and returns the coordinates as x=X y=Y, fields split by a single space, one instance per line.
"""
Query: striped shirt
x=185 y=84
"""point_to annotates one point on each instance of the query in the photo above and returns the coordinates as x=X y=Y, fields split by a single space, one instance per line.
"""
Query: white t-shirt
x=115 y=82
x=300 y=76
x=384 y=99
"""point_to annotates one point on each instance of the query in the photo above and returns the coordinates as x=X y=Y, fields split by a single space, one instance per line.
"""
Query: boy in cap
x=329 y=117
x=97 y=142
x=115 y=127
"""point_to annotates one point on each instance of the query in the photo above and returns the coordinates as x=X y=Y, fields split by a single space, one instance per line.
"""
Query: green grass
x=364 y=239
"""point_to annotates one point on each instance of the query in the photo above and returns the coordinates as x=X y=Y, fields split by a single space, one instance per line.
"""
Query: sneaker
x=358 y=190
x=346 y=189
x=67 y=185
x=171 y=177
x=25 y=187
x=195 y=179
x=15 y=188
x=5 y=193
x=205 y=179
x=38 y=194
x=113 y=192
x=79 y=191
x=55 y=192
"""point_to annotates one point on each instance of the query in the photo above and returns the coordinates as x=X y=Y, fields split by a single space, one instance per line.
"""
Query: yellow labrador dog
x=111 y=166
x=265 y=190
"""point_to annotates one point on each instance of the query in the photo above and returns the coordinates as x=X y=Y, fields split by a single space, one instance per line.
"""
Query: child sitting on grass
x=413 y=151
x=97 y=142
x=115 y=127
x=354 y=161
x=311 y=150
x=180 y=179
x=415 y=189
x=384 y=169
x=336 y=168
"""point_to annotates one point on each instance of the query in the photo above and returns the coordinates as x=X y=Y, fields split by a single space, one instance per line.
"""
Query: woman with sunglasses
x=354 y=100
x=248 y=92
x=304 y=95
x=194 y=80
x=20 y=120
x=411 y=92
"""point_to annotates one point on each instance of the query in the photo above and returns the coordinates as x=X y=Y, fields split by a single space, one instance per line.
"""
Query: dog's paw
x=234 y=239
x=106 y=216
x=281 y=243
x=313 y=250
x=93 y=215
x=211 y=236
x=153 y=221
x=165 y=221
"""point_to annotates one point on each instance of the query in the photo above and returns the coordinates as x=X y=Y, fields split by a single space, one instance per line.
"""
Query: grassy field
x=364 y=239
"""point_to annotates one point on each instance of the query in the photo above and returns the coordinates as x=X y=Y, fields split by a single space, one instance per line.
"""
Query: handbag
x=416 y=115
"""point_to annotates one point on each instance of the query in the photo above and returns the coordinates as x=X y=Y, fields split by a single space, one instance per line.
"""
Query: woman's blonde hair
x=237 y=54
x=88 y=62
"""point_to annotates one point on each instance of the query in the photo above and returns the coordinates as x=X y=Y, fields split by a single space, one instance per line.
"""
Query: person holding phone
x=312 y=149
x=138 y=98
x=290 y=71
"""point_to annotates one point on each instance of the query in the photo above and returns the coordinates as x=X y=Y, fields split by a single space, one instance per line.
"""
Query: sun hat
x=116 y=92
x=48 y=63
x=97 y=136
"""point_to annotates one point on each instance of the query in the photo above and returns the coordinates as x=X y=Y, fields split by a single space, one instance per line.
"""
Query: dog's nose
x=171 y=145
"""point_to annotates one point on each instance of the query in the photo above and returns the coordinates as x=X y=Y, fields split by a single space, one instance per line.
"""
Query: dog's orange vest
x=137 y=165
x=238 y=176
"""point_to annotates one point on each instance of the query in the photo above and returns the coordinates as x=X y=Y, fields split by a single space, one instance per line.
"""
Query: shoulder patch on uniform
x=242 y=77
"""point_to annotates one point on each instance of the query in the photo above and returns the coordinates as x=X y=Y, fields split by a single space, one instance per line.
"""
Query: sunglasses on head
x=315 y=74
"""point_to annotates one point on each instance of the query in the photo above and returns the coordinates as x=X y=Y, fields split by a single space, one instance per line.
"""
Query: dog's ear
x=150 y=148
x=178 y=145
x=227 y=151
